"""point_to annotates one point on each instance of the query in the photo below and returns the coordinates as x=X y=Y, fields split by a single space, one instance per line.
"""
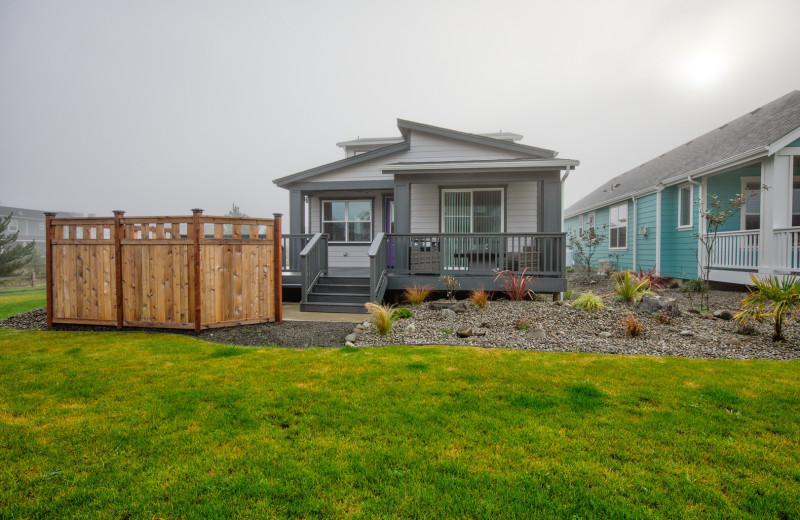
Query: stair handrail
x=378 y=268
x=313 y=264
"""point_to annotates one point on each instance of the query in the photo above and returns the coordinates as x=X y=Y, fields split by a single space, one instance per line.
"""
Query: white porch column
x=766 y=241
x=658 y=229
x=782 y=196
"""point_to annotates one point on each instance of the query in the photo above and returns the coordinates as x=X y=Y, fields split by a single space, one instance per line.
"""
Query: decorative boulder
x=448 y=314
x=723 y=314
x=464 y=332
x=605 y=267
x=652 y=303
x=538 y=333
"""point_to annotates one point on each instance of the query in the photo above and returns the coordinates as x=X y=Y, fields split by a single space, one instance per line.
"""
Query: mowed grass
x=124 y=425
x=17 y=302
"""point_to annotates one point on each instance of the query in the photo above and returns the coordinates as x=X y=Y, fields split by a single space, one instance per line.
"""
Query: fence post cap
x=118 y=212
x=277 y=214
x=49 y=213
x=197 y=210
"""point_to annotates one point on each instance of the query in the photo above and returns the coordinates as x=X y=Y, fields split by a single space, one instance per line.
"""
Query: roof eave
x=550 y=164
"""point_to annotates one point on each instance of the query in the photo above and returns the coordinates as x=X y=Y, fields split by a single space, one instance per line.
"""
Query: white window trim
x=682 y=187
x=471 y=202
x=591 y=217
x=346 y=219
x=13 y=226
x=743 y=211
x=627 y=215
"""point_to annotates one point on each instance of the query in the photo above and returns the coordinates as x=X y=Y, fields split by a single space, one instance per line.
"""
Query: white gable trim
x=781 y=143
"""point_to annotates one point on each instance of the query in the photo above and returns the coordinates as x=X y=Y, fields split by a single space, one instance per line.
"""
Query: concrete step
x=351 y=308
x=338 y=297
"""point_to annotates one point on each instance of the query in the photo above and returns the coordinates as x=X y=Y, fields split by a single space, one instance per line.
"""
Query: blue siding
x=678 y=246
x=796 y=142
x=646 y=245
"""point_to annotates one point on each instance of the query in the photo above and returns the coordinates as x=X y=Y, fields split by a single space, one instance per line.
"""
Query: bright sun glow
x=704 y=69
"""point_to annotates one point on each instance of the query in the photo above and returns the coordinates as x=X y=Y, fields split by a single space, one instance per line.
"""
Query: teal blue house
x=651 y=213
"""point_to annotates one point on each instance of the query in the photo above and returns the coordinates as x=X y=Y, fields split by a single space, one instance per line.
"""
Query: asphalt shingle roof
x=757 y=129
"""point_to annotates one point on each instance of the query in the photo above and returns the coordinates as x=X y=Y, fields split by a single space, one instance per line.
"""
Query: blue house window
x=618 y=226
x=685 y=206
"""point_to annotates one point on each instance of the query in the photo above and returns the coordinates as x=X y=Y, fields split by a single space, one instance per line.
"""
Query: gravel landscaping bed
x=551 y=326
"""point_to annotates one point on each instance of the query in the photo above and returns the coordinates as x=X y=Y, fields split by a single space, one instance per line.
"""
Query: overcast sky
x=156 y=107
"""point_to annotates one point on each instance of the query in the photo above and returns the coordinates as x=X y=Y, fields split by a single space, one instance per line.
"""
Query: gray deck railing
x=291 y=246
x=476 y=254
x=313 y=263
x=377 y=268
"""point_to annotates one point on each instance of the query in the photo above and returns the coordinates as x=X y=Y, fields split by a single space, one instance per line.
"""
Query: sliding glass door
x=470 y=211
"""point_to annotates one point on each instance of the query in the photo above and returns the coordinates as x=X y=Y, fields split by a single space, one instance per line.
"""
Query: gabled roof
x=405 y=129
x=747 y=138
x=406 y=126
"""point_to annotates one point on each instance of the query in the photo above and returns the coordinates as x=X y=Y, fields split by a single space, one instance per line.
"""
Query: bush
x=772 y=298
x=695 y=286
x=633 y=327
x=400 y=314
x=655 y=281
x=588 y=301
x=629 y=286
x=568 y=294
x=381 y=317
x=516 y=285
x=479 y=298
x=416 y=294
x=522 y=324
x=663 y=317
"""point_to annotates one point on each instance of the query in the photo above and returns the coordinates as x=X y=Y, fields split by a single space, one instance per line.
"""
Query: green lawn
x=124 y=425
x=16 y=302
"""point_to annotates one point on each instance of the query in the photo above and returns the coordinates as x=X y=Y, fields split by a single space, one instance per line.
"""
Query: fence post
x=198 y=312
x=118 y=264
x=49 y=216
x=276 y=234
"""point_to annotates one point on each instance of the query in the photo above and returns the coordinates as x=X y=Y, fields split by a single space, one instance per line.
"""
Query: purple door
x=388 y=227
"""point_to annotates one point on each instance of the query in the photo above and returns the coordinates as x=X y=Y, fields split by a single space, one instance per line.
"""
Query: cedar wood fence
x=180 y=272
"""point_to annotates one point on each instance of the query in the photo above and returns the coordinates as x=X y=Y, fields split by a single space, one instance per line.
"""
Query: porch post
x=297 y=214
x=781 y=212
x=766 y=259
x=402 y=221
x=551 y=215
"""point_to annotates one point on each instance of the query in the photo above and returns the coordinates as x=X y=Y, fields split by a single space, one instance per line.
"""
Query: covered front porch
x=397 y=261
x=738 y=254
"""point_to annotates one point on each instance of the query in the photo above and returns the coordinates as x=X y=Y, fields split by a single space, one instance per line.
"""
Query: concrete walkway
x=291 y=312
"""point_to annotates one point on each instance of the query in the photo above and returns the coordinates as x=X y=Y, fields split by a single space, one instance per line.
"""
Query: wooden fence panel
x=144 y=267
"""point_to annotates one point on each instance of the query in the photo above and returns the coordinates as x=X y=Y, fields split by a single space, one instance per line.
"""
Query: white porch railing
x=735 y=250
x=787 y=248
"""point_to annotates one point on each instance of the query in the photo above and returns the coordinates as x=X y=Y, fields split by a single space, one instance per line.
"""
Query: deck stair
x=338 y=294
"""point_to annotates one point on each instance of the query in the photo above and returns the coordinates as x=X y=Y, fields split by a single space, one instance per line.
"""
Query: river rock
x=410 y=328
x=723 y=314
x=448 y=314
x=538 y=333
x=605 y=334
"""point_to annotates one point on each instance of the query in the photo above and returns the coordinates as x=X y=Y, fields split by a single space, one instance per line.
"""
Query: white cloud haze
x=158 y=107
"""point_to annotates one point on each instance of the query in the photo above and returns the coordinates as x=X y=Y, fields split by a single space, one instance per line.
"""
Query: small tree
x=585 y=244
x=12 y=258
x=715 y=215
x=236 y=212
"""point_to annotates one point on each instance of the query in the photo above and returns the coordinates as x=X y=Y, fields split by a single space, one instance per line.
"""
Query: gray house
x=430 y=203
x=30 y=224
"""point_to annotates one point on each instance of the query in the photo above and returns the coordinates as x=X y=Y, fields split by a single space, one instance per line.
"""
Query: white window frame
x=580 y=224
x=13 y=226
x=347 y=219
x=591 y=224
x=743 y=211
x=610 y=228
x=471 y=206
x=689 y=187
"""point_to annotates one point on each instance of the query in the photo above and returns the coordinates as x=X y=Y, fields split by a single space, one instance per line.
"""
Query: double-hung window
x=618 y=226
x=347 y=220
x=685 y=207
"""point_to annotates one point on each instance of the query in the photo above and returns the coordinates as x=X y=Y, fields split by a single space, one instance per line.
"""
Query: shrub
x=516 y=285
x=774 y=298
x=588 y=301
x=655 y=281
x=522 y=324
x=633 y=327
x=381 y=317
x=629 y=286
x=663 y=317
x=568 y=295
x=416 y=294
x=451 y=285
x=400 y=314
x=479 y=298
x=695 y=286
